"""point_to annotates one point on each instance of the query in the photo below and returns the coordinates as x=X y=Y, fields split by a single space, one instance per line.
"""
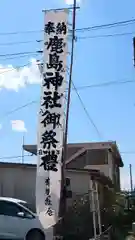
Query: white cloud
x=14 y=78
x=70 y=2
x=18 y=125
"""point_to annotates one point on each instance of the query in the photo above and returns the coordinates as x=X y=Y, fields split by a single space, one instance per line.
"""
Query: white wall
x=79 y=181
x=19 y=182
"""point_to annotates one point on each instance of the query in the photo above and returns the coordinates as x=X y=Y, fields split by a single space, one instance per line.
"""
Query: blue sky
x=97 y=60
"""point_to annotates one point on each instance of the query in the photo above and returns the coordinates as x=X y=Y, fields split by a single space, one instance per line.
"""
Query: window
x=9 y=208
x=29 y=206
x=12 y=209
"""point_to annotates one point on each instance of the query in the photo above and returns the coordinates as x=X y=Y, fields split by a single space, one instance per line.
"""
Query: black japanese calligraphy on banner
x=51 y=100
x=58 y=28
x=50 y=118
x=55 y=62
x=55 y=45
x=49 y=160
x=51 y=115
x=56 y=80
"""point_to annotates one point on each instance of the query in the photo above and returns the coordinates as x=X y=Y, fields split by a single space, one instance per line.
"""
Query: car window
x=29 y=206
x=12 y=209
x=27 y=214
x=9 y=208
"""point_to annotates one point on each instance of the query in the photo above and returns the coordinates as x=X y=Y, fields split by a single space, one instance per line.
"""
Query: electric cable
x=19 y=108
x=96 y=27
x=105 y=84
x=107 y=35
x=108 y=25
x=19 y=57
x=77 y=38
x=15 y=54
x=87 y=113
x=30 y=155
x=13 y=68
x=11 y=157
x=20 y=32
x=16 y=43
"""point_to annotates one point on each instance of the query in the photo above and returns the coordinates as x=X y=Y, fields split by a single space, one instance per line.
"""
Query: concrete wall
x=79 y=181
x=100 y=157
x=115 y=171
x=19 y=181
x=103 y=169
x=110 y=170
x=107 y=169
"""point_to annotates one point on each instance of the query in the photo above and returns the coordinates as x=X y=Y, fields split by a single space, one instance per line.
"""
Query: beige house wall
x=19 y=182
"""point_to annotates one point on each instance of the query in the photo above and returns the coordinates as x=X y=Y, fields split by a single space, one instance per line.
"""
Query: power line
x=17 y=43
x=74 y=88
x=11 y=157
x=107 y=35
x=118 y=82
x=128 y=152
x=20 y=42
x=29 y=155
x=78 y=88
x=87 y=113
x=12 y=69
x=96 y=27
x=18 y=57
x=19 y=108
x=109 y=25
x=105 y=84
x=15 y=54
x=21 y=32
x=79 y=37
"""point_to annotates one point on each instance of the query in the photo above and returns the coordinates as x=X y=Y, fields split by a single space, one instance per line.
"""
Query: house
x=18 y=180
x=101 y=156
x=93 y=170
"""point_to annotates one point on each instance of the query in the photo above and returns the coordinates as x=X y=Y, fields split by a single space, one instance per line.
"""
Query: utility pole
x=134 y=51
x=23 y=149
x=63 y=184
x=131 y=180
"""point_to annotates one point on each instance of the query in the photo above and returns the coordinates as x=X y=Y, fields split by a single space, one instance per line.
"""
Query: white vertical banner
x=51 y=117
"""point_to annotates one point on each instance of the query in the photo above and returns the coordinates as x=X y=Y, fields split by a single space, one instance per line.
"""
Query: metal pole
x=60 y=9
x=23 y=150
x=63 y=200
x=131 y=180
x=98 y=209
x=134 y=51
x=93 y=207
